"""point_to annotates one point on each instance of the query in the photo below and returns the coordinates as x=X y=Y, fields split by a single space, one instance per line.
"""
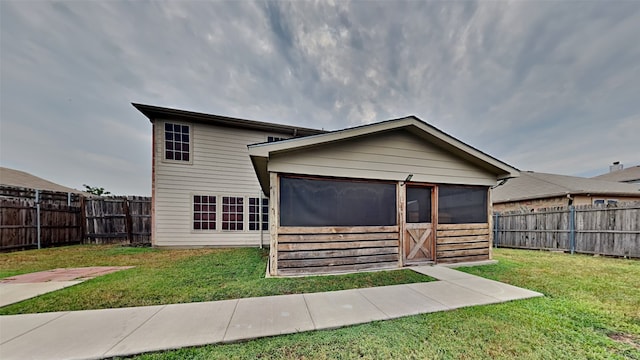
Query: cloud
x=547 y=86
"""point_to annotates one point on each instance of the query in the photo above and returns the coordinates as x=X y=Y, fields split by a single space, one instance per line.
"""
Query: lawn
x=164 y=276
x=591 y=311
x=591 y=308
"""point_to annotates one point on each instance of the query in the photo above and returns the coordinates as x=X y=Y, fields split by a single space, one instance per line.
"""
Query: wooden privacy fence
x=32 y=219
x=590 y=229
x=118 y=220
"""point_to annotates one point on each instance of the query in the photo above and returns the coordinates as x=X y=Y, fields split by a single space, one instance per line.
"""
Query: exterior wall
x=219 y=166
x=388 y=156
x=529 y=205
x=535 y=204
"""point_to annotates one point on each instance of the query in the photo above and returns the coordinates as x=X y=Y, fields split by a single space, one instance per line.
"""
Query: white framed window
x=177 y=142
x=274 y=138
x=258 y=214
x=603 y=202
x=233 y=213
x=204 y=212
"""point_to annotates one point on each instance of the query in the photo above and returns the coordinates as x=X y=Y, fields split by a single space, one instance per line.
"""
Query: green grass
x=591 y=308
x=171 y=276
x=589 y=301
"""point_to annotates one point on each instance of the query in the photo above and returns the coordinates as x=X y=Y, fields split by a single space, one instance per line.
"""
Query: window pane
x=169 y=155
x=168 y=127
x=328 y=202
x=462 y=204
x=185 y=157
x=418 y=204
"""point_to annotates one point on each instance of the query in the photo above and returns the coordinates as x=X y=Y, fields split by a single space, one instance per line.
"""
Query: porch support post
x=274 y=222
x=490 y=221
x=402 y=198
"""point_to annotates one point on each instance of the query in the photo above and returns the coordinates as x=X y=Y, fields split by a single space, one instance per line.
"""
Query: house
x=618 y=173
x=383 y=195
x=204 y=191
x=22 y=179
x=532 y=191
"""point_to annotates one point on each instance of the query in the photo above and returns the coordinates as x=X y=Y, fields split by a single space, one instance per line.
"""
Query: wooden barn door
x=419 y=234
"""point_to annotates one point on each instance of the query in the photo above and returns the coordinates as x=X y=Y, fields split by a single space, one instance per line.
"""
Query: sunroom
x=385 y=195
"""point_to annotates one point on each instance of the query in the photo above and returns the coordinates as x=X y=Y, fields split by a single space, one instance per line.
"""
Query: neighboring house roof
x=156 y=113
x=260 y=152
x=17 y=178
x=532 y=185
x=628 y=175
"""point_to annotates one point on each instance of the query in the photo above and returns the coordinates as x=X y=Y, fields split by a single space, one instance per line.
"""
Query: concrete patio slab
x=64 y=274
x=496 y=289
x=401 y=300
x=339 y=308
x=267 y=316
x=11 y=293
x=13 y=326
x=78 y=334
x=179 y=325
x=441 y=272
x=454 y=296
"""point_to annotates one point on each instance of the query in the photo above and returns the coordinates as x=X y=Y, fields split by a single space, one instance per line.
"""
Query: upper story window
x=274 y=138
x=176 y=142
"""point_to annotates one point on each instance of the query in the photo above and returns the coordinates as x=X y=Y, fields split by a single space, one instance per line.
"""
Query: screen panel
x=331 y=202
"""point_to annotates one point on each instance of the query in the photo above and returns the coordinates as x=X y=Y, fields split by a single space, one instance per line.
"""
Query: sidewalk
x=96 y=334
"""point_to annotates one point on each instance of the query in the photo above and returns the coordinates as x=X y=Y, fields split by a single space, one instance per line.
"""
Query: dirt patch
x=626 y=339
x=70 y=274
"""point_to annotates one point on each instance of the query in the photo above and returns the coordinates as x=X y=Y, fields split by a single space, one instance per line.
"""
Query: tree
x=100 y=191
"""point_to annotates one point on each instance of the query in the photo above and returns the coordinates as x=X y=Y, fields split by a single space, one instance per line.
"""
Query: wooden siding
x=220 y=166
x=388 y=156
x=462 y=242
x=312 y=250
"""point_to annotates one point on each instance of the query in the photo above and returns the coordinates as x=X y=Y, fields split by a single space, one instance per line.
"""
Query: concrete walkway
x=95 y=334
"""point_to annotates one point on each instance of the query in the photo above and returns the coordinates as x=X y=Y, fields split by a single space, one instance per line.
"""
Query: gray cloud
x=547 y=86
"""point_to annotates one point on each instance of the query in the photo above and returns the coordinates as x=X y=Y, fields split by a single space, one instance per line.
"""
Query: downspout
x=260 y=200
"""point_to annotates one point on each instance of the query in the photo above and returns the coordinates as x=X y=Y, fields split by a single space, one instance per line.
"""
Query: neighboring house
x=17 y=178
x=383 y=195
x=532 y=191
x=618 y=173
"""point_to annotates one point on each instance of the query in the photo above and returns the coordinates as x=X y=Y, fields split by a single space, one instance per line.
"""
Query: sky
x=542 y=85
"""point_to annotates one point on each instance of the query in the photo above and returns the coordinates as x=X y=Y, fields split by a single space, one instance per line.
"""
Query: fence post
x=38 y=231
x=495 y=229
x=572 y=228
x=128 y=221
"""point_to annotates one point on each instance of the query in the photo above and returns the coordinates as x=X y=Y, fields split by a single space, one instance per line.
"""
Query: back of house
x=389 y=194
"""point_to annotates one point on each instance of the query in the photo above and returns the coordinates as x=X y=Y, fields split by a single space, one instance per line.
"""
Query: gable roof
x=628 y=175
x=532 y=185
x=154 y=113
x=17 y=178
x=260 y=153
